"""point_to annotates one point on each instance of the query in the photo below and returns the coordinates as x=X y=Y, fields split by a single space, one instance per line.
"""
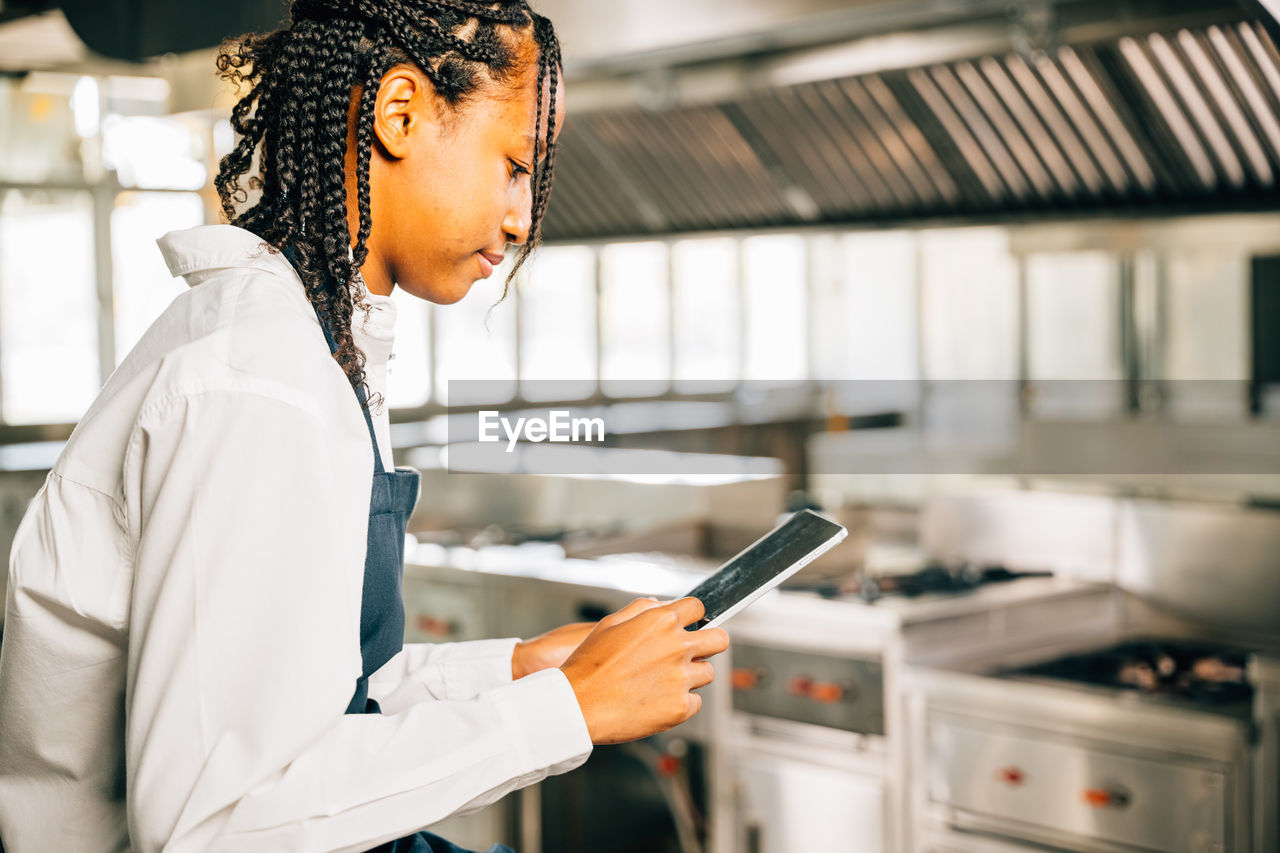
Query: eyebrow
x=538 y=144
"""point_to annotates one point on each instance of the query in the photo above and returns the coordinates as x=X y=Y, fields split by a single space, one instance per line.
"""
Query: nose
x=516 y=224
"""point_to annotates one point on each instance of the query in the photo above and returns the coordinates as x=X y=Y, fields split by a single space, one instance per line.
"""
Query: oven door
x=788 y=805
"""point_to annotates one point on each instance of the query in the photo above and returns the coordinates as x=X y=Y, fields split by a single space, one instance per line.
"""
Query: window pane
x=156 y=152
x=558 y=325
x=477 y=341
x=48 y=307
x=1073 y=333
x=969 y=297
x=1207 y=311
x=776 y=305
x=708 y=314
x=872 y=328
x=38 y=139
x=634 y=319
x=969 y=285
x=143 y=285
x=409 y=374
x=1073 y=316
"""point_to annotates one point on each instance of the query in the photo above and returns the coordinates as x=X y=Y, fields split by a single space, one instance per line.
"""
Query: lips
x=488 y=261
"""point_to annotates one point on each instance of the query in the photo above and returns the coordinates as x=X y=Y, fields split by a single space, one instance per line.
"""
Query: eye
x=517 y=169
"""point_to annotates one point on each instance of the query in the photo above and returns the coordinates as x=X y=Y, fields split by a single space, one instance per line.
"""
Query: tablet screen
x=762 y=566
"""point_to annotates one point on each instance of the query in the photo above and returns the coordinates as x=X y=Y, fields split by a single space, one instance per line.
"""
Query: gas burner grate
x=1201 y=672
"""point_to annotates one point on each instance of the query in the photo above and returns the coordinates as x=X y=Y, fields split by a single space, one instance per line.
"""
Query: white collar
x=193 y=253
x=197 y=253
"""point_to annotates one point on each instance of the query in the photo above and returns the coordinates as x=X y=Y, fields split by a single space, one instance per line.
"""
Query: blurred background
x=995 y=284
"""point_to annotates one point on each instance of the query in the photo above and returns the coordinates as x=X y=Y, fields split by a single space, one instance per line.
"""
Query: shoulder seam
x=54 y=472
x=244 y=386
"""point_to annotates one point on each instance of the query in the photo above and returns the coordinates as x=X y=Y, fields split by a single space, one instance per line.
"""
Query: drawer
x=1083 y=790
x=839 y=692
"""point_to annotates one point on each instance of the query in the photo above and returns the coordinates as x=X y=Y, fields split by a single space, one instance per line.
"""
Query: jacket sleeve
x=243 y=651
x=424 y=672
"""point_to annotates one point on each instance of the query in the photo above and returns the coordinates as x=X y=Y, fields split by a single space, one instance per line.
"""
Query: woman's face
x=450 y=188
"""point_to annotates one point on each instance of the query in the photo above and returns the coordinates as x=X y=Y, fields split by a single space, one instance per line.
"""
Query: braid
x=548 y=62
x=294 y=116
x=376 y=65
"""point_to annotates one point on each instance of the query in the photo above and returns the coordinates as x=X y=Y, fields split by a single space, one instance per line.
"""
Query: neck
x=377 y=278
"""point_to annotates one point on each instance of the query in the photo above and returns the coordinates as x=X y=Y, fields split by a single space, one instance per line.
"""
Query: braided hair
x=293 y=123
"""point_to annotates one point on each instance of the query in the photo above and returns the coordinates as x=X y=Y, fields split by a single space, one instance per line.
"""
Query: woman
x=202 y=644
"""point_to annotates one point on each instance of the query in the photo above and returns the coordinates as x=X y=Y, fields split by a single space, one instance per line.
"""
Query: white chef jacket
x=183 y=612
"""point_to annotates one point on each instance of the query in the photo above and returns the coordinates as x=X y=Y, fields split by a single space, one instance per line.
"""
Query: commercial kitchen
x=995 y=285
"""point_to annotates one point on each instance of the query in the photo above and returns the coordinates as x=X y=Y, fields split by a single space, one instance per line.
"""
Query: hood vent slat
x=1180 y=119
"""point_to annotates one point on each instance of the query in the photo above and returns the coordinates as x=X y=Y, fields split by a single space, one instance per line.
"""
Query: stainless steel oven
x=810 y=749
x=1139 y=745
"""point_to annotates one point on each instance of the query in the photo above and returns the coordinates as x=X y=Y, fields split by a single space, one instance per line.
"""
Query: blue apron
x=382 y=604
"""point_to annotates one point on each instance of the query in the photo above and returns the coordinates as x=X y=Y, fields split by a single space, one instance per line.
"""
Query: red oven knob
x=744 y=678
x=1102 y=798
x=826 y=692
x=1099 y=798
x=799 y=685
x=1012 y=776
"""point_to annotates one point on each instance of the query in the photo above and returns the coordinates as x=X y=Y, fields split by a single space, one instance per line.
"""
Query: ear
x=405 y=106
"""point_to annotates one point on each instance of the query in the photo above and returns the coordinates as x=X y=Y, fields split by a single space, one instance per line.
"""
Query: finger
x=701 y=674
x=695 y=705
x=688 y=610
x=636 y=607
x=708 y=642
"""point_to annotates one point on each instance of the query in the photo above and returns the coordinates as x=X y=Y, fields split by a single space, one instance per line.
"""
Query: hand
x=549 y=650
x=634 y=672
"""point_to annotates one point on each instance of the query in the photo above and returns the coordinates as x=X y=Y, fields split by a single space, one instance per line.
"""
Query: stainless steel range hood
x=1063 y=109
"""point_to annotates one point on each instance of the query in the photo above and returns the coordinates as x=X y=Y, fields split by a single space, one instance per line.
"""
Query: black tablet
x=764 y=564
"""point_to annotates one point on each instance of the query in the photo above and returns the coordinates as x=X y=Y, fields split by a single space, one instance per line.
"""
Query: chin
x=450 y=295
x=439 y=293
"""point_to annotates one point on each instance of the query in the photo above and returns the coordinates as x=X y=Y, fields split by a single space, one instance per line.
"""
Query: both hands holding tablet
x=634 y=671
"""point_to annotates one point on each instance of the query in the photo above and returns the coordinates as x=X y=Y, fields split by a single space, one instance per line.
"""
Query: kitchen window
x=775 y=275
x=144 y=286
x=969 y=318
x=409 y=373
x=49 y=360
x=558 y=325
x=708 y=314
x=1206 y=345
x=38 y=120
x=1073 y=316
x=476 y=347
x=877 y=312
x=635 y=322
x=969 y=291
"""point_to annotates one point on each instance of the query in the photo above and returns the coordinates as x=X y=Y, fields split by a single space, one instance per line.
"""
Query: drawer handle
x=1102 y=798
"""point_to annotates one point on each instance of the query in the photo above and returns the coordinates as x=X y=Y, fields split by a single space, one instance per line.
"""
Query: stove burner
x=1204 y=673
x=939 y=578
x=935 y=577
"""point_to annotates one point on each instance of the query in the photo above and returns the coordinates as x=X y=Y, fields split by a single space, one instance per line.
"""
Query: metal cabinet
x=787 y=805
